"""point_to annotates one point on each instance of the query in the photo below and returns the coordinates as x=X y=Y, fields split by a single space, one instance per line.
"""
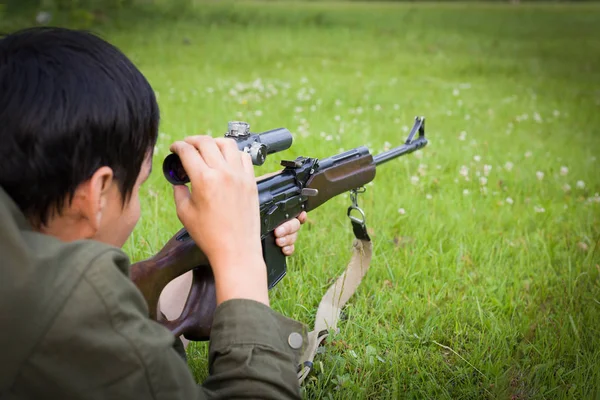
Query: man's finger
x=230 y=151
x=302 y=217
x=287 y=240
x=208 y=149
x=288 y=250
x=190 y=159
x=287 y=228
x=247 y=163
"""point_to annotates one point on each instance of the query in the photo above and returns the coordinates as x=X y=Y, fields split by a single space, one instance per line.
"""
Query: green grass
x=473 y=292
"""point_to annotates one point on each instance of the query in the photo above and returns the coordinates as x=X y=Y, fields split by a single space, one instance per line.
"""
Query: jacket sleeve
x=103 y=345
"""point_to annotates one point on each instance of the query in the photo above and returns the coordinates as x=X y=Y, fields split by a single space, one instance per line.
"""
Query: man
x=78 y=123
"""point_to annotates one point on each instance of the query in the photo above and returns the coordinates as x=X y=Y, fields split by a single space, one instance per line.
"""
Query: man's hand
x=221 y=213
x=287 y=233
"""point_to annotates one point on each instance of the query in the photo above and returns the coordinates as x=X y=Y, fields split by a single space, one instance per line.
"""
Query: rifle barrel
x=386 y=156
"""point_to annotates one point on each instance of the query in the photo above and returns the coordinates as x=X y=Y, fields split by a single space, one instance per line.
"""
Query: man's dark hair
x=70 y=103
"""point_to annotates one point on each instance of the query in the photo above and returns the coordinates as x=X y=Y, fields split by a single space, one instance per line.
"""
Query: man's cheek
x=133 y=217
x=128 y=222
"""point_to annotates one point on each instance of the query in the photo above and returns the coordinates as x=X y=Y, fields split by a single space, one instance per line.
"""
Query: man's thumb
x=181 y=193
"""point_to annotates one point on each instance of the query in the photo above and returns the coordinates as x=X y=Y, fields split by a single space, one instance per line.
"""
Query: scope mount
x=239 y=131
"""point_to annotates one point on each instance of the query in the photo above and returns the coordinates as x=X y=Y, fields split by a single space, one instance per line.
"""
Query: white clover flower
x=508 y=166
x=467 y=117
x=328 y=138
x=377 y=107
x=509 y=200
x=404 y=128
x=556 y=113
x=43 y=17
x=298 y=109
x=359 y=110
x=304 y=80
x=483 y=180
x=464 y=171
x=566 y=187
x=338 y=102
x=477 y=158
x=337 y=118
x=210 y=90
x=428 y=196
x=487 y=169
x=401 y=211
x=456 y=92
x=539 y=209
x=462 y=136
x=528 y=154
x=540 y=175
x=387 y=146
x=466 y=192
x=580 y=184
x=483 y=190
x=418 y=154
x=396 y=107
x=564 y=170
x=537 y=117
x=523 y=117
x=258 y=113
x=414 y=180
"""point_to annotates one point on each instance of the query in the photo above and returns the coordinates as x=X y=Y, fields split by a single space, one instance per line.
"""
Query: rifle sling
x=328 y=313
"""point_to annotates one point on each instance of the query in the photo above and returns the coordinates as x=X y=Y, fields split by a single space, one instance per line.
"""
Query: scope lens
x=173 y=170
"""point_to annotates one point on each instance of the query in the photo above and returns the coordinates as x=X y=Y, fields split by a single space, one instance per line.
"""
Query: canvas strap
x=328 y=313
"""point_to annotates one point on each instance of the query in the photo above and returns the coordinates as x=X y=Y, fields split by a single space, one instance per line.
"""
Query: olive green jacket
x=74 y=326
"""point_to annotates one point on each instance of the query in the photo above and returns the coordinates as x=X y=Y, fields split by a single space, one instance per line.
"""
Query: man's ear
x=93 y=196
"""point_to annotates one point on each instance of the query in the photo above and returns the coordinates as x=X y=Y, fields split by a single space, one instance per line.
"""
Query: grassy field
x=485 y=280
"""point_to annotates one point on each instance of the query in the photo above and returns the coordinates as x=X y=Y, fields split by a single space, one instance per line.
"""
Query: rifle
x=303 y=185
